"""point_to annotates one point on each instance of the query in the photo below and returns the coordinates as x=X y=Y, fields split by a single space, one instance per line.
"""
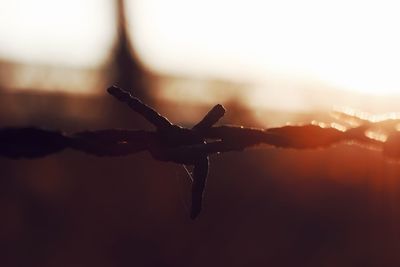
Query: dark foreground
x=263 y=207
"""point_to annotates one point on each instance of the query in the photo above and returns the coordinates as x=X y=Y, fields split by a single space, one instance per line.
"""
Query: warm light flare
x=357 y=115
x=345 y=43
x=378 y=136
x=334 y=125
x=381 y=125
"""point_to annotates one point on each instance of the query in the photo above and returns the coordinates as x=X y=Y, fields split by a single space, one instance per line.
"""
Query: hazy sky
x=347 y=43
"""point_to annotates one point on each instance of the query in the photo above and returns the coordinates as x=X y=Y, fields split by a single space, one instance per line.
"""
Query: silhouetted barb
x=211 y=118
x=182 y=145
x=171 y=138
x=200 y=173
x=147 y=112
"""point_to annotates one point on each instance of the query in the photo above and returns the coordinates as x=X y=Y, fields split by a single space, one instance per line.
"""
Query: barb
x=180 y=145
x=138 y=106
x=212 y=117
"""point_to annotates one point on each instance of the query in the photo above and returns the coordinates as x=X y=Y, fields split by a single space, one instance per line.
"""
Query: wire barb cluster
x=170 y=142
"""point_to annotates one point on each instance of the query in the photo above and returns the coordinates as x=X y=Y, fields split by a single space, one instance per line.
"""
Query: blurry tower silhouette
x=126 y=70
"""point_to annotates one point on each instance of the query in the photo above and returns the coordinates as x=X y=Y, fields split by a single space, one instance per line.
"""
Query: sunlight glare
x=344 y=44
x=70 y=33
x=349 y=44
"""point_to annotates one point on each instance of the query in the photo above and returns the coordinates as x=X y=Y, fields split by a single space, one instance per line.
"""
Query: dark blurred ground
x=263 y=207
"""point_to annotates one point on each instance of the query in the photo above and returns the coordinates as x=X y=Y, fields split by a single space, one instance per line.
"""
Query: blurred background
x=268 y=62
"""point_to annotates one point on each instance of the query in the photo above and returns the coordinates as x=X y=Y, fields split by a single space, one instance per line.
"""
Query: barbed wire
x=170 y=142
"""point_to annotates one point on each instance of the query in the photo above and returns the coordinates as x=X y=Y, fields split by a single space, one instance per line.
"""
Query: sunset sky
x=348 y=44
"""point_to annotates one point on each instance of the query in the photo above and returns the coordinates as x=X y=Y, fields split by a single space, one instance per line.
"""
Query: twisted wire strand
x=174 y=143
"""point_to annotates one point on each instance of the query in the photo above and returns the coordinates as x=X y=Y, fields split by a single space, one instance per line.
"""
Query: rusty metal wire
x=170 y=142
